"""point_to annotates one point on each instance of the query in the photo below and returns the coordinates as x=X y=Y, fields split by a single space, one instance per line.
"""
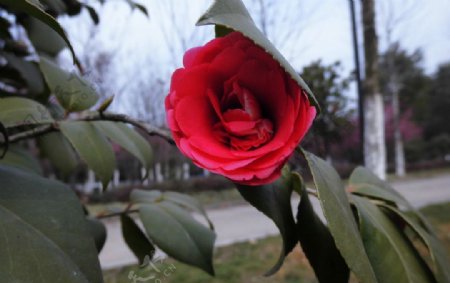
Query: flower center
x=241 y=124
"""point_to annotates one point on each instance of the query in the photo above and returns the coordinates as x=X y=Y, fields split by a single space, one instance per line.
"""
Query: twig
x=127 y=211
x=147 y=128
x=312 y=192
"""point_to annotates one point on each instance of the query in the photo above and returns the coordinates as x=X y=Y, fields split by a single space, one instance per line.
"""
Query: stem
x=147 y=128
x=312 y=192
x=115 y=214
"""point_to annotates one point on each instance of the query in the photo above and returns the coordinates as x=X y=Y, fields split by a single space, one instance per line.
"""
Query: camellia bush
x=236 y=108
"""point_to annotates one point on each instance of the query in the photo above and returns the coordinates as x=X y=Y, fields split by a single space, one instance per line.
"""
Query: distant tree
x=436 y=119
x=403 y=82
x=329 y=88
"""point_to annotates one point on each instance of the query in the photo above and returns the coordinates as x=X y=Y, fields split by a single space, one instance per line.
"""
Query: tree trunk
x=374 y=142
x=398 y=141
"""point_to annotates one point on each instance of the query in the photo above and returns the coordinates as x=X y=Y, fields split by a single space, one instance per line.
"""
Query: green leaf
x=441 y=261
x=363 y=182
x=178 y=234
x=92 y=13
x=136 y=240
x=4 y=141
x=56 y=148
x=21 y=159
x=98 y=232
x=185 y=201
x=92 y=147
x=43 y=37
x=34 y=10
x=392 y=257
x=141 y=196
x=29 y=71
x=129 y=139
x=18 y=111
x=73 y=92
x=337 y=211
x=138 y=6
x=232 y=14
x=44 y=233
x=317 y=242
x=274 y=200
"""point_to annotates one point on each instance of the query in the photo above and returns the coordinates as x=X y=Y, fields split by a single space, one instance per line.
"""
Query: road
x=245 y=223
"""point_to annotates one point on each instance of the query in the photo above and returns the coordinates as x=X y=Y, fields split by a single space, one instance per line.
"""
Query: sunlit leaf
x=18 y=111
x=73 y=92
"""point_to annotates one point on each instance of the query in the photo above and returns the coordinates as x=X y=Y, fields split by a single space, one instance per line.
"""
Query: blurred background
x=132 y=56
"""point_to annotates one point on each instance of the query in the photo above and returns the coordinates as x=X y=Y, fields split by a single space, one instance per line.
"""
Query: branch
x=114 y=214
x=147 y=128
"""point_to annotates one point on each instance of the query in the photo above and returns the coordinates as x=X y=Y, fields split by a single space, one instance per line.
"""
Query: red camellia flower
x=235 y=111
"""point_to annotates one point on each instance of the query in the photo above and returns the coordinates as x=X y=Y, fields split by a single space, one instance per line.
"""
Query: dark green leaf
x=185 y=201
x=136 y=240
x=43 y=37
x=141 y=196
x=178 y=234
x=364 y=182
x=73 y=92
x=44 y=233
x=138 y=6
x=29 y=71
x=92 y=147
x=189 y=203
x=317 y=242
x=392 y=257
x=441 y=261
x=274 y=200
x=129 y=139
x=232 y=14
x=56 y=148
x=4 y=141
x=34 y=10
x=92 y=13
x=221 y=31
x=337 y=211
x=97 y=231
x=18 y=111
x=21 y=159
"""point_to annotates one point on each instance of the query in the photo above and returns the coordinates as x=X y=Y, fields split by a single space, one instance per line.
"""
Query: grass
x=247 y=262
x=239 y=263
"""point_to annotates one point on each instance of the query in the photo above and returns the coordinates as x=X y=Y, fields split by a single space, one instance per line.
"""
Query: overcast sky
x=152 y=45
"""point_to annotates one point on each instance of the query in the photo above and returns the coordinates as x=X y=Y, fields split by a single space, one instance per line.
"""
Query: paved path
x=244 y=223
